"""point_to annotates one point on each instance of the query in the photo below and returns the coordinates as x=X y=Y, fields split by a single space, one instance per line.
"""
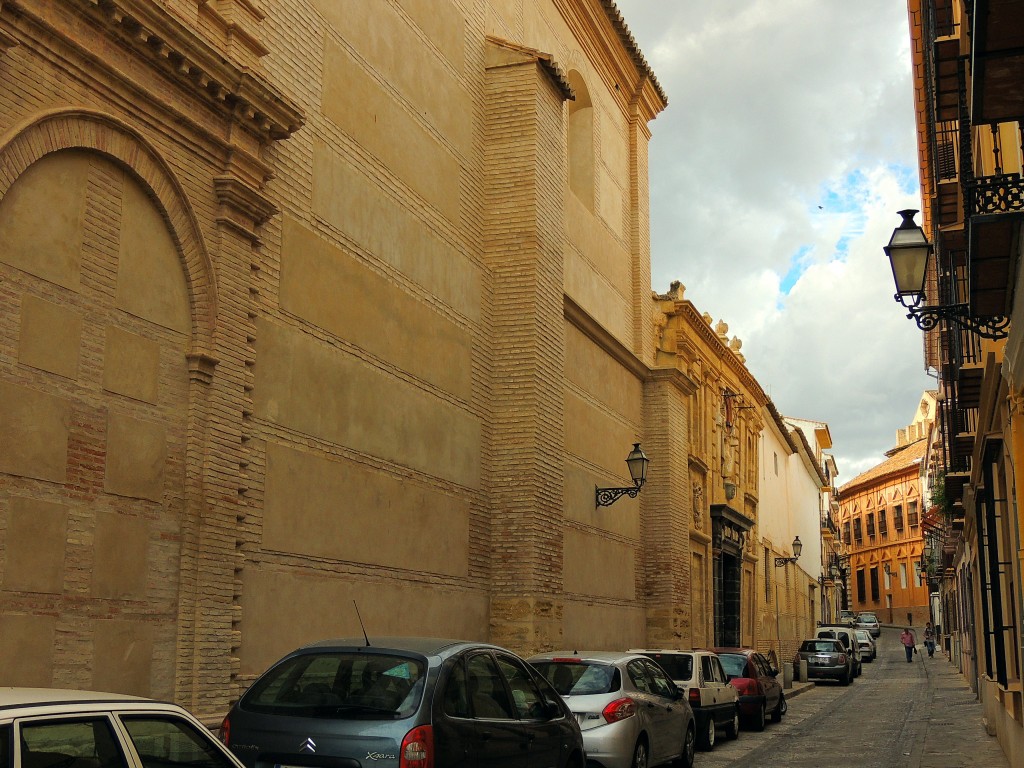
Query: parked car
x=846 y=636
x=756 y=681
x=409 y=701
x=869 y=621
x=866 y=644
x=847 y=618
x=630 y=711
x=826 y=659
x=700 y=676
x=54 y=728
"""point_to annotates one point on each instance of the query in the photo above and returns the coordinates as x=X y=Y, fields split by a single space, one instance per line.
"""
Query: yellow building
x=967 y=69
x=880 y=523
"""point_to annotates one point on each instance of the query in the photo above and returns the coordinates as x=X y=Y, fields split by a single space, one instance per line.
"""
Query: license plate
x=819 y=660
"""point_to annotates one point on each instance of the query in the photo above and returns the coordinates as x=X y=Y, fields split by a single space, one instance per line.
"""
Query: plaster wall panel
x=120 y=561
x=614 y=144
x=503 y=17
x=41 y=219
x=34 y=551
x=284 y=610
x=598 y=566
x=122 y=656
x=50 y=336
x=150 y=278
x=309 y=386
x=443 y=24
x=592 y=292
x=597 y=436
x=136 y=457
x=338 y=509
x=587 y=625
x=384 y=320
x=30 y=640
x=389 y=230
x=131 y=365
x=622 y=519
x=611 y=206
x=593 y=371
x=392 y=47
x=597 y=244
x=34 y=433
x=358 y=103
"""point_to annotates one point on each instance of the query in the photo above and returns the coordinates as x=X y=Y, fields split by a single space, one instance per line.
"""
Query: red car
x=756 y=681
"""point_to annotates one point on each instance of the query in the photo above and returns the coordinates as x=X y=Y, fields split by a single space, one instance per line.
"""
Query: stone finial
x=735 y=344
x=722 y=331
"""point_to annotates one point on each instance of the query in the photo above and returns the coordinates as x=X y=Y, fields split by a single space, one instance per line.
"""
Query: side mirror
x=774 y=671
x=552 y=709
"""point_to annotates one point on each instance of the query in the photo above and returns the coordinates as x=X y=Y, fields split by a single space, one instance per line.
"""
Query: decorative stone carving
x=698 y=506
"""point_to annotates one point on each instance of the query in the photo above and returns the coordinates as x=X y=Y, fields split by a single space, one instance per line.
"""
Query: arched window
x=581 y=142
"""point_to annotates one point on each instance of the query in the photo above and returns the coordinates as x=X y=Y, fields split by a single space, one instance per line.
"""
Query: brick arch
x=106 y=135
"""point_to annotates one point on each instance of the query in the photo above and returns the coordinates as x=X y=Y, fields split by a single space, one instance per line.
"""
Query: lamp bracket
x=928 y=318
x=607 y=496
x=781 y=561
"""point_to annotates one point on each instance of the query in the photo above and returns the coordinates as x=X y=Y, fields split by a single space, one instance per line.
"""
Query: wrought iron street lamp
x=798 y=547
x=908 y=251
x=637 y=462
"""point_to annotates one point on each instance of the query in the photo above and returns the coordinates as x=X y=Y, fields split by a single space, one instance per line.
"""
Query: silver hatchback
x=630 y=712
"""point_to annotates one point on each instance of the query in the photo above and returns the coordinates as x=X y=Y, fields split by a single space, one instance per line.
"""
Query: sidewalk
x=954 y=735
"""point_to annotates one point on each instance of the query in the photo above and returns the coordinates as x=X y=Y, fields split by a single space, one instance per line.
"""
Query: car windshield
x=340 y=685
x=819 y=646
x=579 y=678
x=863 y=634
x=678 y=666
x=734 y=664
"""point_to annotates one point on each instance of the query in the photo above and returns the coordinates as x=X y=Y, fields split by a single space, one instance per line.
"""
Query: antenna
x=367 y=639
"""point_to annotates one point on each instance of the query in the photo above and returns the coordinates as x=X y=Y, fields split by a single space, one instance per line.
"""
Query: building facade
x=881 y=518
x=968 y=63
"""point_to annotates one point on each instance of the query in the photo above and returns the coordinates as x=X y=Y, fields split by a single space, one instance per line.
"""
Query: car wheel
x=689 y=751
x=780 y=708
x=732 y=728
x=845 y=679
x=640 y=755
x=707 y=736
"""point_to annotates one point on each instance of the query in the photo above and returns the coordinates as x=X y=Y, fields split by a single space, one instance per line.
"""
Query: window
x=918 y=575
x=871 y=525
x=888 y=579
x=776 y=457
x=897 y=517
x=707 y=669
x=857 y=538
x=846 y=532
x=875 y=594
x=883 y=526
x=525 y=695
x=638 y=676
x=87 y=743
x=164 y=742
x=903 y=575
x=660 y=684
x=486 y=689
x=581 y=142
x=912 y=514
x=860 y=585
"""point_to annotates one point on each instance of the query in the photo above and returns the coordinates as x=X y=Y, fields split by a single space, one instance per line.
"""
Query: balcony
x=998 y=60
x=996 y=206
x=828 y=527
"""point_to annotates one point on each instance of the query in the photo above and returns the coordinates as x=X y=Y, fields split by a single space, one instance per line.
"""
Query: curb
x=797 y=689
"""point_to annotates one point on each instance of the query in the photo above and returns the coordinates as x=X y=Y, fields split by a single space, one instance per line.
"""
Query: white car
x=699 y=674
x=54 y=728
x=629 y=711
x=866 y=643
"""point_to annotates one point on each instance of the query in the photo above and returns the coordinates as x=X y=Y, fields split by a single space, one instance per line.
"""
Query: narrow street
x=895 y=715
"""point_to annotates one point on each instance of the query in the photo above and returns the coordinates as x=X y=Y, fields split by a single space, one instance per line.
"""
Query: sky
x=776 y=171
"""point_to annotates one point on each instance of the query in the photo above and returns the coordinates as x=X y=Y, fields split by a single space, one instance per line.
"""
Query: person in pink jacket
x=909 y=643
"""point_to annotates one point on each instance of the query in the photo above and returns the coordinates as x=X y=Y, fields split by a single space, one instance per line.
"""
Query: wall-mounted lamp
x=637 y=462
x=798 y=547
x=887 y=568
x=908 y=251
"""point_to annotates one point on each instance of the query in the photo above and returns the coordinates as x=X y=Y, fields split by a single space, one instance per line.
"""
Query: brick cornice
x=597 y=333
x=158 y=38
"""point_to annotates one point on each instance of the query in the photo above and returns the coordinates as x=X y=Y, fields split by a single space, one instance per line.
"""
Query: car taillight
x=620 y=709
x=842 y=658
x=694 y=696
x=417 y=748
x=225 y=731
x=744 y=686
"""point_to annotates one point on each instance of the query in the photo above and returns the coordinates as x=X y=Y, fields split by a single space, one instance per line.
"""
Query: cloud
x=777 y=108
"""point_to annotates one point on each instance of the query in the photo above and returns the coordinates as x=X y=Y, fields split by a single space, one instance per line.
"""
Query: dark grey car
x=826 y=658
x=402 y=703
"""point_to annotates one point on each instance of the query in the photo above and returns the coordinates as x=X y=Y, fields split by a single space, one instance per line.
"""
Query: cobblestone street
x=895 y=715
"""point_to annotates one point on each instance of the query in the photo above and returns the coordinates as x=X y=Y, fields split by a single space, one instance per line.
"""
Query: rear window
x=679 y=666
x=579 y=678
x=734 y=664
x=340 y=685
x=820 y=646
x=868 y=618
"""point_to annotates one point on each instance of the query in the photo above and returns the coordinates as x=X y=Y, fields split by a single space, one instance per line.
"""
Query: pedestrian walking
x=929 y=639
x=909 y=643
